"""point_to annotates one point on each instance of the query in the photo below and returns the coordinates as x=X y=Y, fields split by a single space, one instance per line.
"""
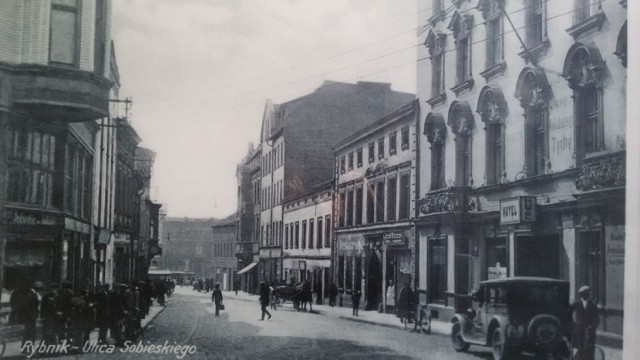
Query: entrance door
x=590 y=262
x=437 y=270
x=374 y=279
x=538 y=256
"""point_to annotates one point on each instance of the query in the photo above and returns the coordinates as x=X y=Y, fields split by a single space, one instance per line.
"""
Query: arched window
x=460 y=120
x=436 y=132
x=533 y=91
x=493 y=111
x=583 y=69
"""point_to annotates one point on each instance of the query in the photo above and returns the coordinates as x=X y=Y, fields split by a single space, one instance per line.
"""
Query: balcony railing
x=446 y=200
x=601 y=172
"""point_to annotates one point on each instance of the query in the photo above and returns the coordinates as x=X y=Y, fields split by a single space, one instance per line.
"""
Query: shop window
x=349 y=272
x=358 y=206
x=405 y=197
x=537 y=256
x=435 y=130
x=64 y=35
x=497 y=260
x=583 y=69
x=372 y=151
x=438 y=270
x=371 y=205
x=392 y=191
x=462 y=265
x=327 y=234
x=392 y=143
x=380 y=201
x=461 y=123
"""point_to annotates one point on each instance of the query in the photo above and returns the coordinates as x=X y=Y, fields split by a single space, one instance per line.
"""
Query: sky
x=199 y=73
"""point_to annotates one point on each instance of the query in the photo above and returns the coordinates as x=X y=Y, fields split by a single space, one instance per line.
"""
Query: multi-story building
x=307 y=239
x=375 y=172
x=296 y=142
x=147 y=214
x=55 y=76
x=187 y=245
x=223 y=263
x=522 y=162
x=248 y=219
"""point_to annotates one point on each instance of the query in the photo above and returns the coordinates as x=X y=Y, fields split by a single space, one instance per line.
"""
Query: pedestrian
x=307 y=296
x=333 y=293
x=236 y=286
x=584 y=322
x=64 y=310
x=265 y=295
x=355 y=301
x=50 y=315
x=102 y=312
x=405 y=301
x=390 y=297
x=30 y=312
x=216 y=297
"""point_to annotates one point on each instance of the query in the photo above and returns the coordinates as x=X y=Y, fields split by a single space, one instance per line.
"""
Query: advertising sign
x=394 y=238
x=517 y=210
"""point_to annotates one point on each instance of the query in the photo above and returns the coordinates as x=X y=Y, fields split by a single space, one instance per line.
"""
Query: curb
x=153 y=318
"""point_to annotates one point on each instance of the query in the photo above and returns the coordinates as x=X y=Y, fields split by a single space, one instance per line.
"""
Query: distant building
x=223 y=264
x=187 y=245
x=296 y=142
x=148 y=214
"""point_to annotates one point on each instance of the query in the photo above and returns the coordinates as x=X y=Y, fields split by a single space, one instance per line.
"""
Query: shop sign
x=517 y=210
x=23 y=218
x=497 y=272
x=394 y=238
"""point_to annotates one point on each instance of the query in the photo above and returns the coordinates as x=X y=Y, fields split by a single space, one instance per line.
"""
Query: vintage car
x=514 y=315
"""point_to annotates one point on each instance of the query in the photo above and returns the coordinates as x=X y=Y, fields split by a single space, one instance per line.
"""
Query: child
x=355 y=300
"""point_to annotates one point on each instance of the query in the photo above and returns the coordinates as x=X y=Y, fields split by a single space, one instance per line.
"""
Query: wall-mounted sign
x=25 y=218
x=517 y=210
x=394 y=238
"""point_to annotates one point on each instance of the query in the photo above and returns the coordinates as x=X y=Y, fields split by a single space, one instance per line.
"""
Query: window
x=291 y=236
x=436 y=131
x=319 y=235
x=461 y=123
x=380 y=148
x=392 y=143
x=584 y=9
x=392 y=188
x=297 y=234
x=341 y=212
x=461 y=26
x=370 y=203
x=405 y=197
x=359 y=158
x=405 y=138
x=342 y=164
x=63 y=47
x=351 y=161
x=380 y=201
x=492 y=15
x=327 y=233
x=535 y=30
x=312 y=233
x=349 y=207
x=372 y=150
x=286 y=236
x=532 y=90
x=100 y=39
x=303 y=236
x=492 y=108
x=583 y=69
x=435 y=42
x=358 y=207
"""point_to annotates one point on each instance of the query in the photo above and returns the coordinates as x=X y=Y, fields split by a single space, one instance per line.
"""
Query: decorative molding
x=536 y=51
x=602 y=172
x=460 y=118
x=467 y=84
x=438 y=99
x=489 y=9
x=435 y=128
x=461 y=25
x=590 y=24
x=583 y=66
x=447 y=200
x=532 y=88
x=492 y=106
x=494 y=71
x=623 y=3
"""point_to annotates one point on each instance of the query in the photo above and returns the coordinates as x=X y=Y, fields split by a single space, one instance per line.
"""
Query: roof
x=524 y=279
x=228 y=221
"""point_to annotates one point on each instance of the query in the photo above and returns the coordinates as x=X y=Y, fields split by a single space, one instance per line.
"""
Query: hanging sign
x=517 y=210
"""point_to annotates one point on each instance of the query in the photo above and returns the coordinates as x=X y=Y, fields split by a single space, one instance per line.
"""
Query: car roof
x=524 y=279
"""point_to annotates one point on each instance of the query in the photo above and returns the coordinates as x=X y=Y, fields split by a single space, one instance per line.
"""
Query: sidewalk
x=440 y=328
x=12 y=350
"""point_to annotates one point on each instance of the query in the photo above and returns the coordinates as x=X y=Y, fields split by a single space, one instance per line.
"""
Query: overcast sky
x=199 y=72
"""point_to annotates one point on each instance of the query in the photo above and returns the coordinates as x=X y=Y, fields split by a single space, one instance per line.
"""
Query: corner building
x=522 y=152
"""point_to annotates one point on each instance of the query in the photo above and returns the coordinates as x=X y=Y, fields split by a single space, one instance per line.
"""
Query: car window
x=497 y=294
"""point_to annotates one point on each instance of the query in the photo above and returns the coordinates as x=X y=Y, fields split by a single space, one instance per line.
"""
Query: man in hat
x=585 y=320
x=31 y=312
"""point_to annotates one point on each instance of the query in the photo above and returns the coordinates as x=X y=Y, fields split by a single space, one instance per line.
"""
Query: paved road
x=237 y=334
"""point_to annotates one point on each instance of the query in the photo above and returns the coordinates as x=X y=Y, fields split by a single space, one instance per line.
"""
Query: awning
x=246 y=268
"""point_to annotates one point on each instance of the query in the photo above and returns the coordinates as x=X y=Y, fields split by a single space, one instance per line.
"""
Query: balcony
x=446 y=200
x=601 y=172
x=52 y=93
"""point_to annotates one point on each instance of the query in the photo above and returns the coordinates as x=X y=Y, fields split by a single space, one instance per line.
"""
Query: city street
x=238 y=334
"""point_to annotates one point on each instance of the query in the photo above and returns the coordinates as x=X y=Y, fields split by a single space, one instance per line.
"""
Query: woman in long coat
x=216 y=297
x=405 y=298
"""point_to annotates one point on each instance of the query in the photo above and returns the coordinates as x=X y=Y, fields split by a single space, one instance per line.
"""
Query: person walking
x=30 y=315
x=265 y=295
x=50 y=315
x=355 y=301
x=333 y=293
x=584 y=322
x=405 y=299
x=216 y=297
x=102 y=312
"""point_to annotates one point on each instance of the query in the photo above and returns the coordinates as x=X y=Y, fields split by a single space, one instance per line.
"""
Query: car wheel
x=456 y=338
x=501 y=350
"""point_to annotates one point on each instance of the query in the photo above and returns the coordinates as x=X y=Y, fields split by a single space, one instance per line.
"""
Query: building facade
x=375 y=175
x=307 y=239
x=224 y=264
x=296 y=141
x=55 y=76
x=522 y=169
x=187 y=244
x=248 y=219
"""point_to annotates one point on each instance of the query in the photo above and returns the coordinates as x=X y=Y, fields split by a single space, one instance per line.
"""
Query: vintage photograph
x=303 y=179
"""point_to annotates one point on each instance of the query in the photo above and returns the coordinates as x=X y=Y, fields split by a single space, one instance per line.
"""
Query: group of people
x=70 y=315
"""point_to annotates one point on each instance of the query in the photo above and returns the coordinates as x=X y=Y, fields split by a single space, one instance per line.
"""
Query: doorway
x=437 y=270
x=538 y=255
